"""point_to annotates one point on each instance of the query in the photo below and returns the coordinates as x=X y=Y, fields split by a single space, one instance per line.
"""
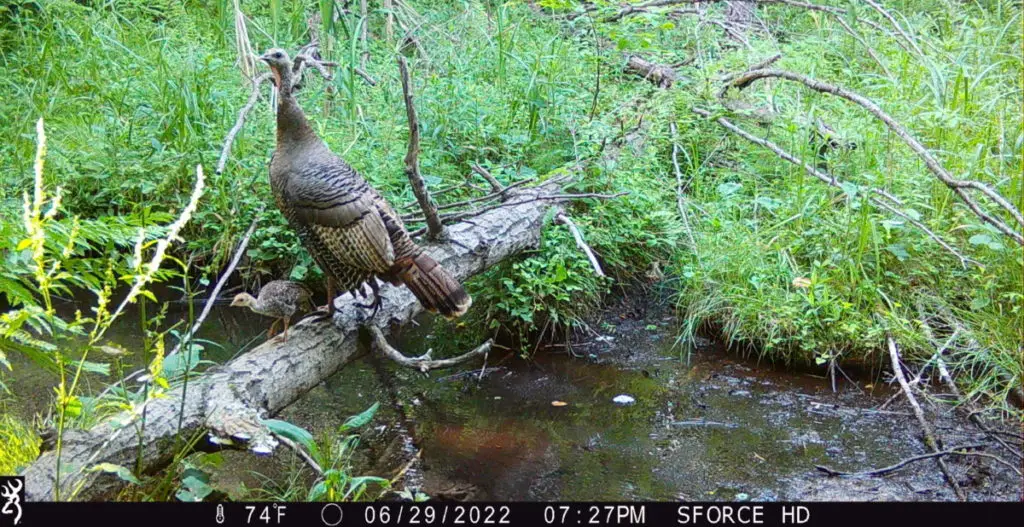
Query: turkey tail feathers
x=433 y=286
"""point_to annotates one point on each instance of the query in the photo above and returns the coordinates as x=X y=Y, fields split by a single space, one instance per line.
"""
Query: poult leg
x=286 y=319
x=270 y=332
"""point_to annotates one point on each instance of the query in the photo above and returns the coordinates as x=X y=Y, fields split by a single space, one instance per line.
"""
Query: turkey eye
x=277 y=55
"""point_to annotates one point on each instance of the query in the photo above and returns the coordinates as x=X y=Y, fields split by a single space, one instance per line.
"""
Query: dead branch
x=681 y=189
x=242 y=114
x=958 y=451
x=562 y=219
x=871 y=51
x=899 y=29
x=301 y=453
x=958 y=186
x=424 y=363
x=658 y=74
x=944 y=374
x=502 y=195
x=929 y=434
x=491 y=180
x=460 y=216
x=362 y=37
x=832 y=181
x=389 y=22
x=435 y=229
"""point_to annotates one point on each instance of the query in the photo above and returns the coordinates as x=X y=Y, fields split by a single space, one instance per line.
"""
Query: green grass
x=20 y=444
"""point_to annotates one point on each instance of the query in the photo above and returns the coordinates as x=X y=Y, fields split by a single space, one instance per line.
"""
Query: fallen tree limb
x=424 y=363
x=958 y=186
x=831 y=180
x=227 y=402
x=958 y=451
x=929 y=434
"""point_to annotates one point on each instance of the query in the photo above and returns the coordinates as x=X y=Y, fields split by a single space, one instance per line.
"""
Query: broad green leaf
x=293 y=432
x=357 y=421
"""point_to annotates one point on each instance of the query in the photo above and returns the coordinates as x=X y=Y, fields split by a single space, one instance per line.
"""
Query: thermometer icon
x=220 y=513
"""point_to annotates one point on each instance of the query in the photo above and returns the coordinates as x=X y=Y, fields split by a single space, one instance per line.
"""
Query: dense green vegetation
x=135 y=94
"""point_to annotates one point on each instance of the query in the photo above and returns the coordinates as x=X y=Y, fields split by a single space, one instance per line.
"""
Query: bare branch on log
x=563 y=219
x=501 y=196
x=435 y=229
x=424 y=363
x=491 y=180
x=526 y=198
x=958 y=186
x=831 y=180
x=929 y=434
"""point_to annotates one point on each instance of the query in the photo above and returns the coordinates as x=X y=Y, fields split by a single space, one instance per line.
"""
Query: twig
x=947 y=378
x=484 y=173
x=856 y=36
x=680 y=189
x=494 y=195
x=958 y=451
x=899 y=29
x=423 y=363
x=435 y=229
x=933 y=165
x=561 y=218
x=301 y=453
x=362 y=37
x=453 y=217
x=929 y=434
x=389 y=23
x=831 y=180
x=230 y=139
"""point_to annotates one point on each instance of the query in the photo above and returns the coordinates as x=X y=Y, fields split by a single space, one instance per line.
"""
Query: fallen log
x=225 y=405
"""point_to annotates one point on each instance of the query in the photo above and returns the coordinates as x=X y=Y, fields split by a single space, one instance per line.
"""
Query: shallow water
x=705 y=424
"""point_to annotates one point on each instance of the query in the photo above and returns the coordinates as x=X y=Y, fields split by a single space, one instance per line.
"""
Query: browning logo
x=11 y=489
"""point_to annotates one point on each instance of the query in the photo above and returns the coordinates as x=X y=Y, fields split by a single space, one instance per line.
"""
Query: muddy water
x=704 y=424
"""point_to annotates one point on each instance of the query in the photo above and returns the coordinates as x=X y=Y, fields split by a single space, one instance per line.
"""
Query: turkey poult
x=350 y=231
x=279 y=299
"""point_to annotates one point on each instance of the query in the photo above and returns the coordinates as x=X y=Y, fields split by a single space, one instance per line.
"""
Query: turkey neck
x=292 y=126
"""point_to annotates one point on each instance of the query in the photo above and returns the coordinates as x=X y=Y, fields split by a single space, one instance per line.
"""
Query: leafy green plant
x=333 y=458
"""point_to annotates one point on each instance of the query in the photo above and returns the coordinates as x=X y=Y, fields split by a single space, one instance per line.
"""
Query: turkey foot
x=377 y=300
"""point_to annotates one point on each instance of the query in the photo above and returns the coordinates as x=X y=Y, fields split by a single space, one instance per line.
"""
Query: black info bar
x=383 y=514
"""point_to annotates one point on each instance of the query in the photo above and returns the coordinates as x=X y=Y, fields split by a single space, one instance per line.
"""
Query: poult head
x=242 y=300
x=277 y=59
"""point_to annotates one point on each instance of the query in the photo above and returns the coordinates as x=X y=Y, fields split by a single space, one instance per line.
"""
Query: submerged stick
x=958 y=451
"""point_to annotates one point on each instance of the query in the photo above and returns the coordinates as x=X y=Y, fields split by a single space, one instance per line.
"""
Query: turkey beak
x=265 y=58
